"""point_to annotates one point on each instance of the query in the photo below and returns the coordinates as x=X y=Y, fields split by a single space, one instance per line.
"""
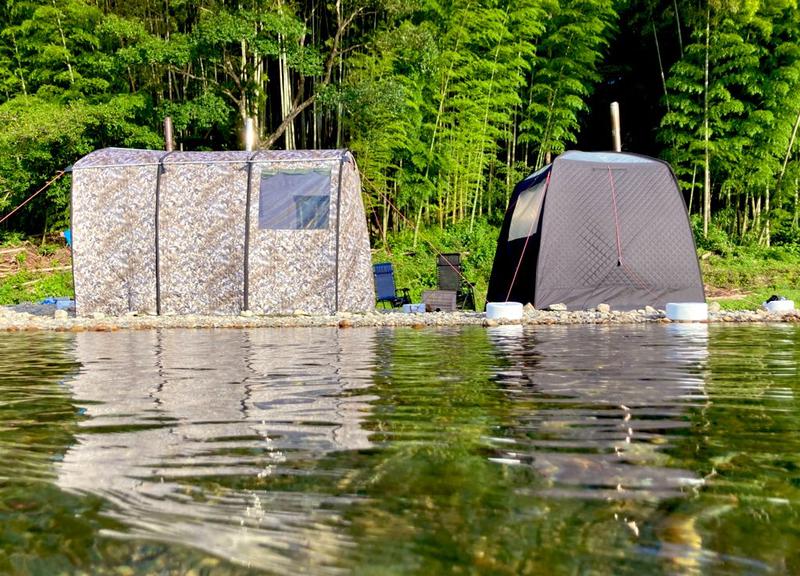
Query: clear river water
x=539 y=450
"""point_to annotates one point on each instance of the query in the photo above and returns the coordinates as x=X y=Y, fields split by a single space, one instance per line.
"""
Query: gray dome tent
x=592 y=228
x=273 y=232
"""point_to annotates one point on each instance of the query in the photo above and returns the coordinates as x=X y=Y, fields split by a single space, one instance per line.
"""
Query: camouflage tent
x=273 y=232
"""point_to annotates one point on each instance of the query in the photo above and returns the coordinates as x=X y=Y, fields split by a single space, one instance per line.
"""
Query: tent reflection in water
x=273 y=232
x=605 y=420
x=592 y=228
x=165 y=411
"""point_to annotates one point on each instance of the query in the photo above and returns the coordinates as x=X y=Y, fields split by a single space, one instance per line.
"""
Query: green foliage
x=748 y=113
x=563 y=74
x=11 y=239
x=481 y=92
x=415 y=266
x=30 y=286
x=41 y=137
x=446 y=105
x=716 y=241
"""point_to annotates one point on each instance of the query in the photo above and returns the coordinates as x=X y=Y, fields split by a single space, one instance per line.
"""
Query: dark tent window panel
x=294 y=200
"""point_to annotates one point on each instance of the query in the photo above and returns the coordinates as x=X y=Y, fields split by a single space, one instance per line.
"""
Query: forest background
x=445 y=105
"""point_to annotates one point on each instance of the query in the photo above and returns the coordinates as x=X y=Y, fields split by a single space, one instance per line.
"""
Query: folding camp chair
x=450 y=278
x=385 y=291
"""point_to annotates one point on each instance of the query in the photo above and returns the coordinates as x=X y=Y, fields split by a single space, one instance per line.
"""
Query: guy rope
x=58 y=175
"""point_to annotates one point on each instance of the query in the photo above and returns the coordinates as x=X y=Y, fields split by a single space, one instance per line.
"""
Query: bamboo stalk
x=661 y=67
x=678 y=24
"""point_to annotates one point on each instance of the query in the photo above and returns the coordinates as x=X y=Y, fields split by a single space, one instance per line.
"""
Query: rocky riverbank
x=33 y=317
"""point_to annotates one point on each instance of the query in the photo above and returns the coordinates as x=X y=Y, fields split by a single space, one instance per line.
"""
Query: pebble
x=557 y=307
x=46 y=317
x=603 y=308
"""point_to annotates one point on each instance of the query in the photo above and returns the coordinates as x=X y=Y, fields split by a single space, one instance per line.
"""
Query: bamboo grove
x=446 y=105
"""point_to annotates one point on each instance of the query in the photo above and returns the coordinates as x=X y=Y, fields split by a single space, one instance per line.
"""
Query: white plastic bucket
x=504 y=310
x=413 y=308
x=779 y=305
x=687 y=311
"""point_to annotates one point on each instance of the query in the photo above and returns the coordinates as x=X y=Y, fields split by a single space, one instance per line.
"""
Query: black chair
x=385 y=290
x=448 y=267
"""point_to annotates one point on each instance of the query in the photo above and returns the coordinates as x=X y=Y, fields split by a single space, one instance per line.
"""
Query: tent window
x=525 y=220
x=294 y=200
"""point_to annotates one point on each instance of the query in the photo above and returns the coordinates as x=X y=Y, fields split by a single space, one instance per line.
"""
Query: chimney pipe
x=616 y=138
x=249 y=135
x=169 y=142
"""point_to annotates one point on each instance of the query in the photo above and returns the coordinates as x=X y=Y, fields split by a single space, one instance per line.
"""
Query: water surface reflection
x=595 y=416
x=537 y=450
x=171 y=413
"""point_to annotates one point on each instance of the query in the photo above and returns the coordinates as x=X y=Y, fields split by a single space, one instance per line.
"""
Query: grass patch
x=754 y=300
x=32 y=286
x=752 y=275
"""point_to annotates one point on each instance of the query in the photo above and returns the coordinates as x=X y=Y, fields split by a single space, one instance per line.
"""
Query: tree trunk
x=417 y=224
x=19 y=64
x=64 y=43
x=244 y=108
x=756 y=213
x=706 y=135
x=788 y=152
x=661 y=67
x=286 y=96
x=766 y=218
x=385 y=220
x=745 y=221
x=678 y=24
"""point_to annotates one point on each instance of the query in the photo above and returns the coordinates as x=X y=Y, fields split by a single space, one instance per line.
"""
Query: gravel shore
x=37 y=317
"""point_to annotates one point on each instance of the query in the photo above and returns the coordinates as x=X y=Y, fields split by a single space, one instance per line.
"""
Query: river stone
x=60 y=315
x=528 y=309
x=246 y=313
x=557 y=307
x=603 y=308
x=650 y=310
x=714 y=307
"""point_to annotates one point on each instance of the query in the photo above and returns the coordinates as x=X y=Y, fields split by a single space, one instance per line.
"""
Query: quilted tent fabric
x=613 y=229
x=179 y=233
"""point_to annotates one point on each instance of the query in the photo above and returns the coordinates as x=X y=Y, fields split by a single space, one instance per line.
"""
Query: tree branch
x=294 y=113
